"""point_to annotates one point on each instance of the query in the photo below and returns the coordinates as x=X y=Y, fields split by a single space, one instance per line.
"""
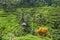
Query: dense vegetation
x=35 y=13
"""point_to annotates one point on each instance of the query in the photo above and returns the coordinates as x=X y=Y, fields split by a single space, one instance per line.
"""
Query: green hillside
x=35 y=14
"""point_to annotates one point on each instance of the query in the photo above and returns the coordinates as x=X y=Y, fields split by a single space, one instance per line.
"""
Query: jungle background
x=35 y=13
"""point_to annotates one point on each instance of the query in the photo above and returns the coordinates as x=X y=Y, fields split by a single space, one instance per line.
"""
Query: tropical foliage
x=20 y=18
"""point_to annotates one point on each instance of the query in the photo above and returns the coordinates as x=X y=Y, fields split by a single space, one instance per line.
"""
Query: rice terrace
x=29 y=19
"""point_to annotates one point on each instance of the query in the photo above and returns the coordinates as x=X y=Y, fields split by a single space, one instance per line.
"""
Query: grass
x=32 y=37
